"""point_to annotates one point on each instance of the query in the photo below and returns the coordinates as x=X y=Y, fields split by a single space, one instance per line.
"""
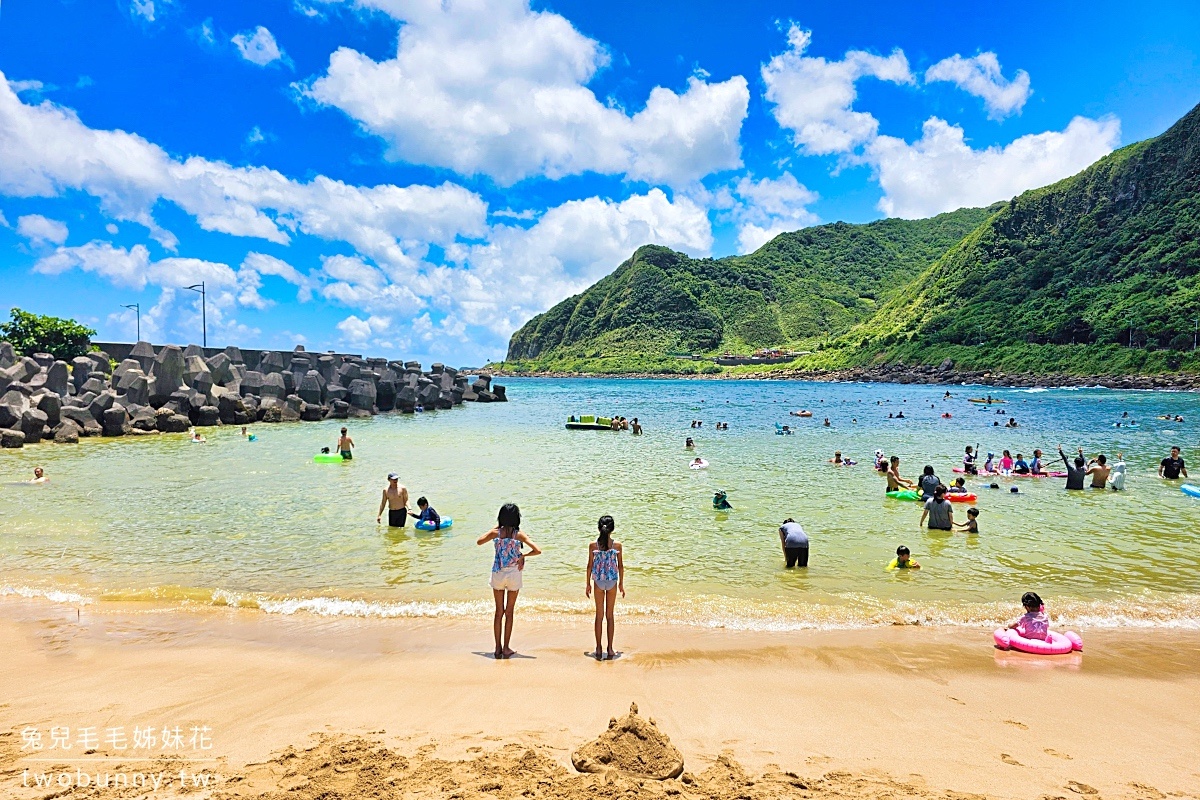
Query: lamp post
x=199 y=287
x=137 y=307
x=1196 y=335
x=1131 y=333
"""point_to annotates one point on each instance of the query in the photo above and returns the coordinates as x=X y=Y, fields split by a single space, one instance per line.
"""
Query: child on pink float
x=1035 y=622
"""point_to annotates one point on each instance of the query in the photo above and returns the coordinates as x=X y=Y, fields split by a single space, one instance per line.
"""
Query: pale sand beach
x=308 y=707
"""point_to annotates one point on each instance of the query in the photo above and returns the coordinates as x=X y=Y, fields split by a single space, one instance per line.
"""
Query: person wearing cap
x=395 y=499
x=1036 y=467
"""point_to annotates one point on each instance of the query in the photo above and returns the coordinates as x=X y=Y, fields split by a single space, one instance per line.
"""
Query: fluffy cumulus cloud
x=941 y=172
x=45 y=149
x=133 y=268
x=814 y=100
x=491 y=87
x=769 y=207
x=40 y=230
x=259 y=47
x=813 y=97
x=360 y=331
x=142 y=9
x=980 y=75
x=521 y=271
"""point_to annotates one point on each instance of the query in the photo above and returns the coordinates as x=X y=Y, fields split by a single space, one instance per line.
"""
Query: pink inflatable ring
x=1055 y=644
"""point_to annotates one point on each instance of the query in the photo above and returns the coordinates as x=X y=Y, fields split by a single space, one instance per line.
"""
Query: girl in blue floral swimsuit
x=507 y=566
x=606 y=571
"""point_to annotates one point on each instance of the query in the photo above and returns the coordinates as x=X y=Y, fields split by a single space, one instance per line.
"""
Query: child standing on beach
x=506 y=571
x=1034 y=623
x=606 y=572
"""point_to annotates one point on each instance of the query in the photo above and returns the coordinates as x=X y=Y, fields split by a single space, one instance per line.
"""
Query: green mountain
x=800 y=287
x=1052 y=281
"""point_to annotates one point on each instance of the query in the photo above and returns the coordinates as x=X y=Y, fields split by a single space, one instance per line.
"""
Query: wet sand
x=874 y=713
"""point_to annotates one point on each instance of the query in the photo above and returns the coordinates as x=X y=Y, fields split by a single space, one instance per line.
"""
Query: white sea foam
x=53 y=595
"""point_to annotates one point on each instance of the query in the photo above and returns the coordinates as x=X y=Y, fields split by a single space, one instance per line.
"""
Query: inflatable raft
x=1190 y=490
x=905 y=494
x=328 y=458
x=587 y=422
x=426 y=525
x=1055 y=643
x=982 y=474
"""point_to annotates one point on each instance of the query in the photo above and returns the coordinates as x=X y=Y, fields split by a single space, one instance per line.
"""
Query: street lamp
x=199 y=287
x=138 y=308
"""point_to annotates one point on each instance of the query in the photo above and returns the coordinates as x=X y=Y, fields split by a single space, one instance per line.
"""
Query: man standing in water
x=395 y=498
x=1075 y=470
x=1171 y=468
x=345 y=446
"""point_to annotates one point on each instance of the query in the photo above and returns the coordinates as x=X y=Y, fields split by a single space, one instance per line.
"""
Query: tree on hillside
x=35 y=333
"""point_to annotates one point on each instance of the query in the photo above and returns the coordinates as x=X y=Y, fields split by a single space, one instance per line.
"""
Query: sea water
x=259 y=525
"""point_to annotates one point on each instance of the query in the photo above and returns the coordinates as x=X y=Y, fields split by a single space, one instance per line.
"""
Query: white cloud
x=258 y=47
x=522 y=271
x=126 y=268
x=980 y=76
x=27 y=86
x=48 y=150
x=770 y=207
x=812 y=97
x=941 y=172
x=262 y=264
x=359 y=331
x=142 y=8
x=492 y=87
x=112 y=229
x=40 y=230
x=3 y=221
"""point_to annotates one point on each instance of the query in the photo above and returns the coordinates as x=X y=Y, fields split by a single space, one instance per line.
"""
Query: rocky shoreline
x=924 y=374
x=170 y=389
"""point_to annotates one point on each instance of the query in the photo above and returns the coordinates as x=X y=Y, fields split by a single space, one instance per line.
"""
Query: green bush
x=35 y=333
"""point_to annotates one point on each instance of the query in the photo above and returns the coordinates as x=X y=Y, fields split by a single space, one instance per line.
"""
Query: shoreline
x=899 y=374
x=893 y=712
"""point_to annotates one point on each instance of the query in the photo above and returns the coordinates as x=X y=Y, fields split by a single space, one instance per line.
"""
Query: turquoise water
x=258 y=524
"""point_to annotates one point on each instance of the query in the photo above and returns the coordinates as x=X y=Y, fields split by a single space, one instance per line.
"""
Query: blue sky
x=416 y=179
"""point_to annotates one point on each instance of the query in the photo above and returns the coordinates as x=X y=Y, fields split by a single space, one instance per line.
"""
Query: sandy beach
x=309 y=707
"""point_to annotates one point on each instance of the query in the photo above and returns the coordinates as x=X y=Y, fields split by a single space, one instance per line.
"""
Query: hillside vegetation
x=1096 y=274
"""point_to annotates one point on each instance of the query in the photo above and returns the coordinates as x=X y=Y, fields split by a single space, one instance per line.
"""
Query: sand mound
x=632 y=746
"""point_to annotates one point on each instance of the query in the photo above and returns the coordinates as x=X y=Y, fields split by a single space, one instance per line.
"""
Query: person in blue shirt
x=1019 y=466
x=428 y=514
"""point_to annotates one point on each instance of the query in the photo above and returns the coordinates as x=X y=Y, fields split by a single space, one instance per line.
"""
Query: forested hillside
x=1096 y=274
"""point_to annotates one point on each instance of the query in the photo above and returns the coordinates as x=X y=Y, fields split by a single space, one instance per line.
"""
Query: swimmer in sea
x=689 y=444
x=39 y=476
x=1012 y=422
x=894 y=482
x=395 y=500
x=245 y=431
x=1099 y=470
x=345 y=445
x=827 y=422
x=721 y=501
x=697 y=463
x=637 y=427
x=972 y=523
x=837 y=459
x=903 y=559
x=196 y=437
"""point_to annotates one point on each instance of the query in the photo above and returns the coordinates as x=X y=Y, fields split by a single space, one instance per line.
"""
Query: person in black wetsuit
x=1076 y=470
